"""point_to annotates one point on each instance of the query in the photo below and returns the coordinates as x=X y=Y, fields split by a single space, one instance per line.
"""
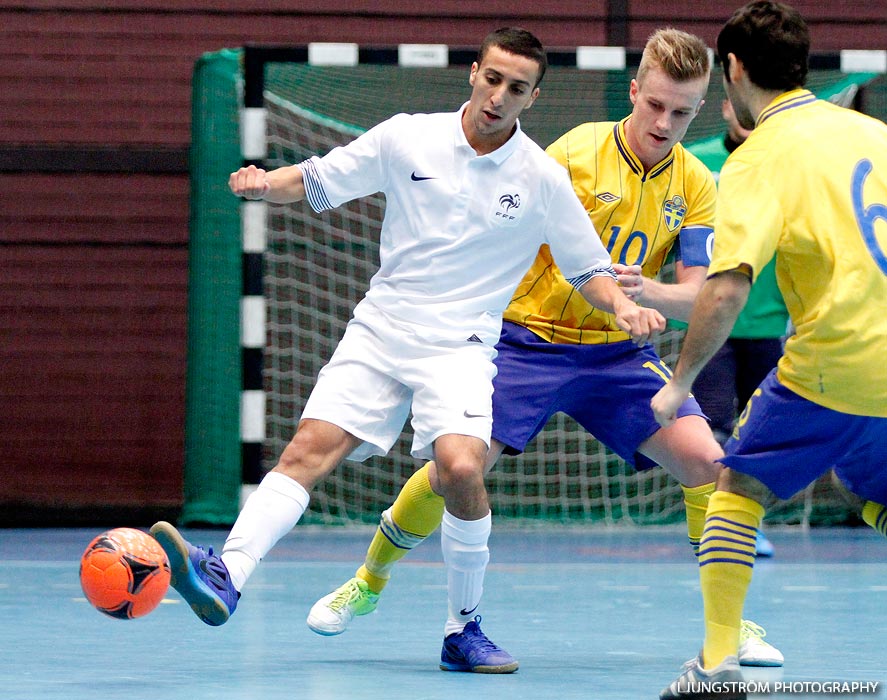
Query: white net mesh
x=318 y=267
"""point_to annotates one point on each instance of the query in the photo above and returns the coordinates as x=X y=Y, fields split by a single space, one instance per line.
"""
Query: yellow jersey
x=639 y=216
x=811 y=184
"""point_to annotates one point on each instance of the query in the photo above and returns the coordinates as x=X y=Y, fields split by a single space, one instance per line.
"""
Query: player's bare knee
x=460 y=463
x=687 y=450
x=459 y=474
x=705 y=465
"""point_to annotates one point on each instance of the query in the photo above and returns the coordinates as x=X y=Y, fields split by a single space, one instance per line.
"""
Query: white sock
x=271 y=511
x=465 y=552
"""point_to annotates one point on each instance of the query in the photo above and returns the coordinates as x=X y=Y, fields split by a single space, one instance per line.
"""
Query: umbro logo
x=474 y=339
x=420 y=178
x=607 y=197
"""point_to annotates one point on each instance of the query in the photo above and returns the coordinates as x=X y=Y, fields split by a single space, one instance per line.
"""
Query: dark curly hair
x=772 y=41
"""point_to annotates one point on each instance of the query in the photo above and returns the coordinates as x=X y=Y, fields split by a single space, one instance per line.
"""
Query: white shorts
x=384 y=368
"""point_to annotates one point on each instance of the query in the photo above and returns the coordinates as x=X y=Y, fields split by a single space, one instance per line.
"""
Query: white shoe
x=753 y=650
x=331 y=614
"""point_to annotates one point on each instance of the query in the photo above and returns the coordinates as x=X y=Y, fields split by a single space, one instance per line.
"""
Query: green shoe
x=332 y=613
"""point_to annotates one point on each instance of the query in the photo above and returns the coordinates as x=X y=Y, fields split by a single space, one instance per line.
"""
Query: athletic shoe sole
x=205 y=604
x=318 y=628
x=464 y=668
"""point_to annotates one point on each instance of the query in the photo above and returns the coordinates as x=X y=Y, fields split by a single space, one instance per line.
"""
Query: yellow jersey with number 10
x=639 y=216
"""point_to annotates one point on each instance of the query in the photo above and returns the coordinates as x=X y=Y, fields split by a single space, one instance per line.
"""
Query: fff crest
x=674 y=209
x=507 y=209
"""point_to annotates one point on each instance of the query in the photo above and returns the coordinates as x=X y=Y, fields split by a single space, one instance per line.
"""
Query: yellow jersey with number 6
x=810 y=186
x=640 y=216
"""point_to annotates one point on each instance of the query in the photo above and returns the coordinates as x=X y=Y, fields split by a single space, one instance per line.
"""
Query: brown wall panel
x=75 y=72
x=105 y=77
x=129 y=209
x=93 y=345
x=717 y=11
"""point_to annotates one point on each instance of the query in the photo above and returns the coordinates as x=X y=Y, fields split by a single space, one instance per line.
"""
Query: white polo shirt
x=460 y=230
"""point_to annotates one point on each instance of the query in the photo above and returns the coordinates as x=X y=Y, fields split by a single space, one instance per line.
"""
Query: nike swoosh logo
x=468 y=612
x=218 y=580
x=469 y=414
x=420 y=178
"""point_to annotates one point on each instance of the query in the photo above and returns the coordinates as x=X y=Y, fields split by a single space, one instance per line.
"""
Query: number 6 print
x=867 y=216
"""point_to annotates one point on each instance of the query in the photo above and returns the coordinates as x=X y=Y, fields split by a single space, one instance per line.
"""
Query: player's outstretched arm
x=639 y=322
x=673 y=300
x=719 y=303
x=280 y=186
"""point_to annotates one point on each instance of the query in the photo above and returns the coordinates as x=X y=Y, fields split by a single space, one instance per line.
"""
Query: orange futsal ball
x=124 y=573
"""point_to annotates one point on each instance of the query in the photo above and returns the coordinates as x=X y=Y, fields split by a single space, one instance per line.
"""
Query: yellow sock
x=415 y=514
x=696 y=505
x=726 y=561
x=875 y=514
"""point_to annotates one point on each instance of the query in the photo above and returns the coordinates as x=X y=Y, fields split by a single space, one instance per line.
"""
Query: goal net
x=317 y=268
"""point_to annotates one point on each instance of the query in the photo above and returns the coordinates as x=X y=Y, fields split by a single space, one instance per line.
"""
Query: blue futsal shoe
x=200 y=577
x=763 y=546
x=470 y=650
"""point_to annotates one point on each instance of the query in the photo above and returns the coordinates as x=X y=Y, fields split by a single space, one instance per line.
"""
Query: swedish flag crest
x=674 y=210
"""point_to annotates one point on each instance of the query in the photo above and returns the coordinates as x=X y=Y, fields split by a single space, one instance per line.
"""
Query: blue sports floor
x=594 y=614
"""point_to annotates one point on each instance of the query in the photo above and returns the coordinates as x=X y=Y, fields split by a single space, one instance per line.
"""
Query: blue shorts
x=605 y=388
x=787 y=442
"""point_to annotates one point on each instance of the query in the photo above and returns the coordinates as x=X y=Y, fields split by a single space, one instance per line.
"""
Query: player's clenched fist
x=639 y=322
x=249 y=182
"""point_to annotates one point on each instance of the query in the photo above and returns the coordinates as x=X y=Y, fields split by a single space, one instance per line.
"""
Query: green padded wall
x=213 y=378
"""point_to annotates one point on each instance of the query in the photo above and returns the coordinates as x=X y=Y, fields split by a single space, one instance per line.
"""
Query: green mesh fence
x=362 y=96
x=318 y=266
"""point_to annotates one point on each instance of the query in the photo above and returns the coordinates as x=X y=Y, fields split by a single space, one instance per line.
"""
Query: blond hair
x=682 y=56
